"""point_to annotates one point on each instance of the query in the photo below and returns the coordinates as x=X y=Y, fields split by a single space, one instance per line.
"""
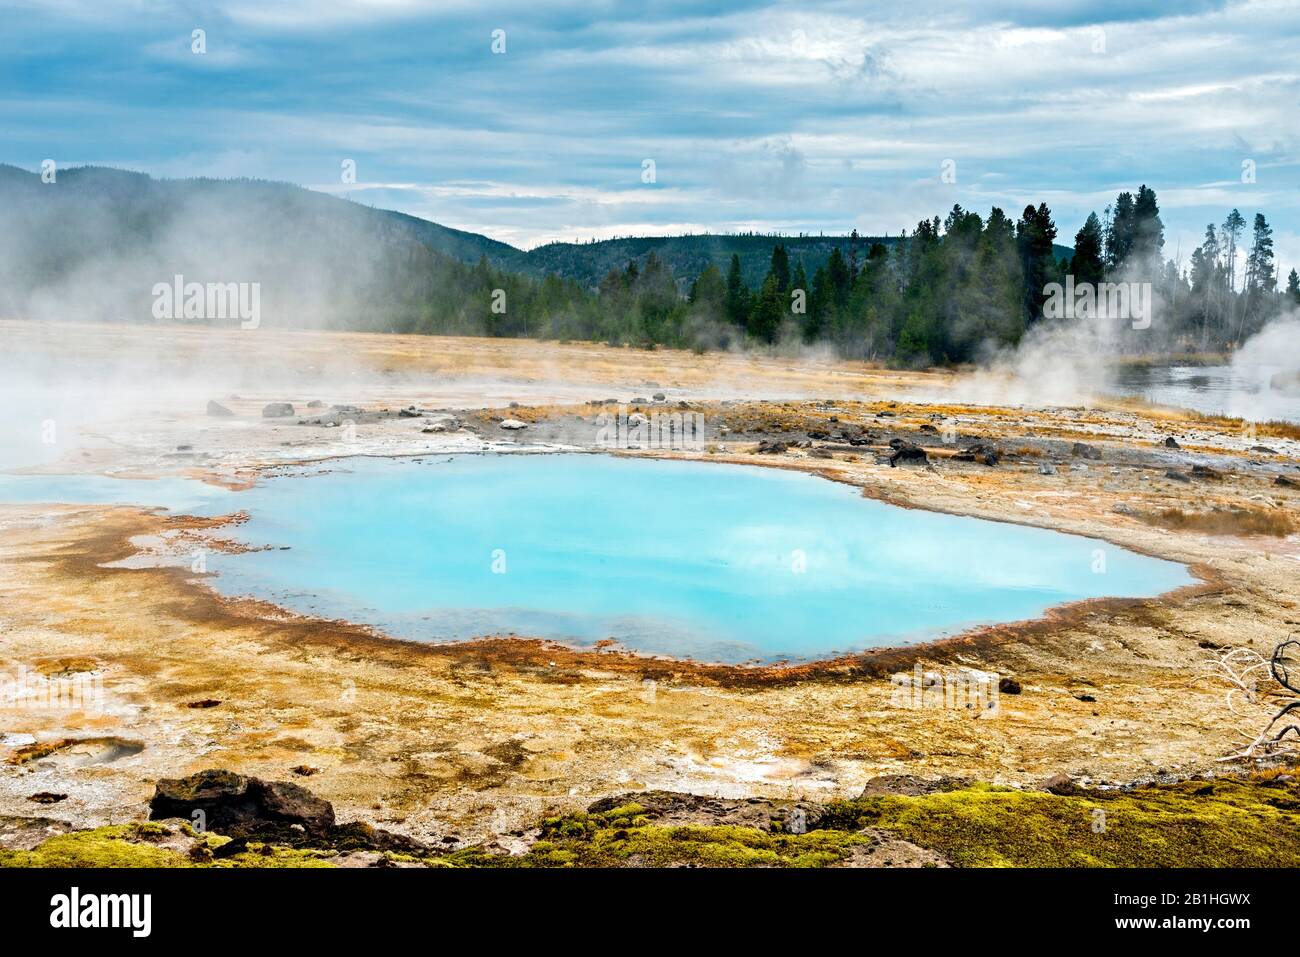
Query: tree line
x=949 y=291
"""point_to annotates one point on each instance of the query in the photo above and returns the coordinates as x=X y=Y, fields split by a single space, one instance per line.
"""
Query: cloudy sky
x=810 y=116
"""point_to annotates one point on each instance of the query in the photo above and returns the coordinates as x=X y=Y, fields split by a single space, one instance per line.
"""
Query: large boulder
x=237 y=805
x=216 y=408
x=277 y=410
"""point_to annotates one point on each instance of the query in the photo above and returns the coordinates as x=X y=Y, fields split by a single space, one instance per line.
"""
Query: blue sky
x=815 y=116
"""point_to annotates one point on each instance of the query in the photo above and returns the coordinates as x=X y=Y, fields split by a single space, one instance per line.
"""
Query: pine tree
x=1119 y=238
x=709 y=291
x=1035 y=234
x=781 y=268
x=769 y=308
x=1087 y=264
x=1148 y=230
x=1293 y=287
x=1260 y=275
x=737 y=294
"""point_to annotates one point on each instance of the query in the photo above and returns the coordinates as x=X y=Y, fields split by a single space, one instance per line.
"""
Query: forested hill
x=687 y=256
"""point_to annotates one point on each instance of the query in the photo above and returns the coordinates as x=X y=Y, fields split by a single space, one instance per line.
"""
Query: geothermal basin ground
x=473 y=742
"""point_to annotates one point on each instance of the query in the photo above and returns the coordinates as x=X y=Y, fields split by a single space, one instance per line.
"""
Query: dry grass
x=1233 y=521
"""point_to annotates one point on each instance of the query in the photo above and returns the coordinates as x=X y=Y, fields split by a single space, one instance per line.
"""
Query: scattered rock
x=216 y=408
x=908 y=785
x=771 y=448
x=1008 y=685
x=1205 y=472
x=981 y=453
x=1085 y=451
x=203 y=703
x=1059 y=784
x=513 y=424
x=1046 y=468
x=315 y=404
x=1177 y=476
x=305 y=770
x=658 y=397
x=1172 y=443
x=237 y=845
x=821 y=453
x=907 y=454
x=277 y=410
x=1263 y=448
x=1081 y=696
x=237 y=805
x=47 y=797
x=1285 y=482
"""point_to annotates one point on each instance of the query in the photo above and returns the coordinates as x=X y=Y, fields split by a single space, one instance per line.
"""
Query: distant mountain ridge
x=143 y=206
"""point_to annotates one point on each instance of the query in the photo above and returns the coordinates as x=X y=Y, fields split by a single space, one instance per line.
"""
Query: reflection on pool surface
x=710 y=561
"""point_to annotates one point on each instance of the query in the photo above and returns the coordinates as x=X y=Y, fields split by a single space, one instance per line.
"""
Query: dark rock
x=237 y=805
x=277 y=410
x=1008 y=686
x=1178 y=476
x=315 y=404
x=818 y=434
x=305 y=770
x=1263 y=448
x=409 y=413
x=927 y=427
x=47 y=797
x=981 y=453
x=203 y=703
x=237 y=845
x=658 y=397
x=907 y=453
x=1084 y=697
x=216 y=408
x=1285 y=482
x=1205 y=472
x=1059 y=784
x=772 y=448
x=1172 y=443
x=909 y=785
x=1085 y=451
x=821 y=453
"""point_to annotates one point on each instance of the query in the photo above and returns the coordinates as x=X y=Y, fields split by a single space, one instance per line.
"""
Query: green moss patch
x=1221 y=823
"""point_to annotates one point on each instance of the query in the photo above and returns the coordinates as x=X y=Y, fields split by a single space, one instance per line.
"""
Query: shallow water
x=709 y=561
x=1239 y=391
